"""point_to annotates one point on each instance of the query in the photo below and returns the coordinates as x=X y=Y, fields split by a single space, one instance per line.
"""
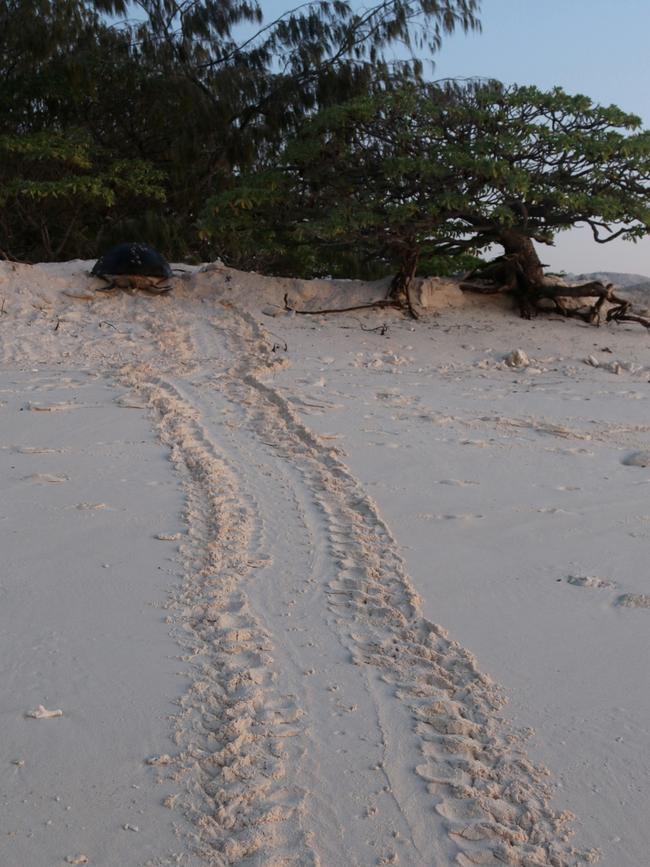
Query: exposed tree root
x=529 y=296
x=398 y=297
x=505 y=275
x=382 y=303
x=7 y=257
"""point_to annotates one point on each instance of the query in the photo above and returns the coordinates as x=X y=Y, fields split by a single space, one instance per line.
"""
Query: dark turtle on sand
x=133 y=266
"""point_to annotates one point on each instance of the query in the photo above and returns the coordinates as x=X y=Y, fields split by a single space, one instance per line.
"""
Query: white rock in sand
x=517 y=358
x=43 y=713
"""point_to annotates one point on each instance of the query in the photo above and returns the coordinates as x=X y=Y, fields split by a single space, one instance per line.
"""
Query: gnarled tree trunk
x=519 y=247
x=520 y=273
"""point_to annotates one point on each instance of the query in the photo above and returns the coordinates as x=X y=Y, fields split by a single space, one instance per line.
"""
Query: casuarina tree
x=262 y=75
x=171 y=97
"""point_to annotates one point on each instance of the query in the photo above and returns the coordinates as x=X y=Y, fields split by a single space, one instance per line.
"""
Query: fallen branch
x=381 y=303
x=382 y=329
x=103 y=322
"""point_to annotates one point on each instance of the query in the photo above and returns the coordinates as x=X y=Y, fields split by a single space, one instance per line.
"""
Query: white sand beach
x=335 y=590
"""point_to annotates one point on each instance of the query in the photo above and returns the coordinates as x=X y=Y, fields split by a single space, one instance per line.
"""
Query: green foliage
x=437 y=172
x=65 y=173
x=111 y=132
x=176 y=101
x=52 y=184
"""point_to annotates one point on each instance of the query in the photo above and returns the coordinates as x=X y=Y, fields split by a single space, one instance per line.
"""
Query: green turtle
x=133 y=265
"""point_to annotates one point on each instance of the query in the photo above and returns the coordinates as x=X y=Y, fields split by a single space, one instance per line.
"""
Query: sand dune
x=256 y=520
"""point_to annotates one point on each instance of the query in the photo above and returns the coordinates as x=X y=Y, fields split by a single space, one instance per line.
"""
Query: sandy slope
x=339 y=496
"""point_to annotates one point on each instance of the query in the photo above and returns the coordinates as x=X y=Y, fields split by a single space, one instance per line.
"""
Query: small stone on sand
x=637 y=459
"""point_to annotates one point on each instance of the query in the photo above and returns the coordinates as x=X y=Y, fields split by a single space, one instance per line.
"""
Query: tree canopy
x=168 y=105
x=438 y=171
x=315 y=151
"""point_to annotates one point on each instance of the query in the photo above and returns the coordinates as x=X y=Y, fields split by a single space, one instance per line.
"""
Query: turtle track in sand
x=293 y=585
x=493 y=802
x=233 y=727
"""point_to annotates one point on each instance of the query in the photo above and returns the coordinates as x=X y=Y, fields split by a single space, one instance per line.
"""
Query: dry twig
x=381 y=303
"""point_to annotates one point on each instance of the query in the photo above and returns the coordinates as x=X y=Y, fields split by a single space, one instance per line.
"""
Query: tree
x=446 y=170
x=243 y=84
x=52 y=185
x=67 y=171
x=193 y=90
x=261 y=77
x=353 y=193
